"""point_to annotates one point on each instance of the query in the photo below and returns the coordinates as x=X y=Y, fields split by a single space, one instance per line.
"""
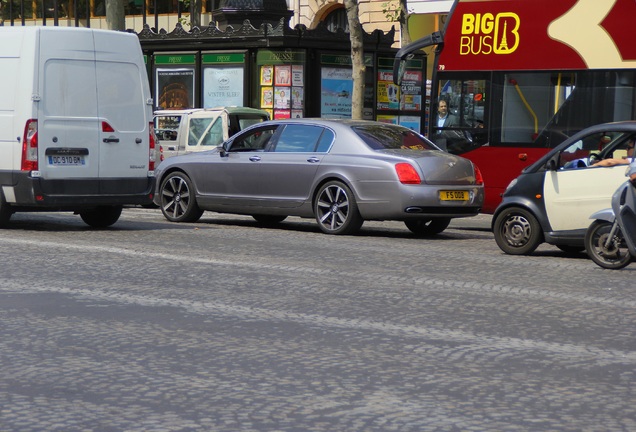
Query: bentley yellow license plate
x=453 y=195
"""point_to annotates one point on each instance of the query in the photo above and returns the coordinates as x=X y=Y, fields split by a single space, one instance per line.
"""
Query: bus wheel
x=517 y=231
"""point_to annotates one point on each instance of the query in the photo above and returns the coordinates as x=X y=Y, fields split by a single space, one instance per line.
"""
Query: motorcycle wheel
x=616 y=255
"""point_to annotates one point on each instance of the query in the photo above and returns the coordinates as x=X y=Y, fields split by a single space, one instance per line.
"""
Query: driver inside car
x=619 y=161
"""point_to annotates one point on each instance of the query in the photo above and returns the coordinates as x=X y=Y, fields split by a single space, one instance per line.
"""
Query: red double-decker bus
x=519 y=76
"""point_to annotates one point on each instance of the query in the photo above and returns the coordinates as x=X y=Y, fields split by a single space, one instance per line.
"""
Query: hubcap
x=516 y=230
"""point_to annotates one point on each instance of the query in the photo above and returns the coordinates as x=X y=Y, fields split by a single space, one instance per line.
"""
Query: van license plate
x=66 y=160
x=453 y=195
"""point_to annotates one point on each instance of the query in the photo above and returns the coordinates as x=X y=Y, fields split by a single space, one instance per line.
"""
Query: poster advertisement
x=297 y=76
x=335 y=93
x=282 y=75
x=297 y=113
x=384 y=118
x=282 y=98
x=297 y=97
x=282 y=114
x=411 y=122
x=175 y=88
x=388 y=93
x=267 y=74
x=267 y=97
x=411 y=91
x=223 y=86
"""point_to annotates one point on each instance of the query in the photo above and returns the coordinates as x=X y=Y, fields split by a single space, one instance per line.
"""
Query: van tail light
x=153 y=147
x=30 y=146
x=407 y=174
x=107 y=128
x=479 y=179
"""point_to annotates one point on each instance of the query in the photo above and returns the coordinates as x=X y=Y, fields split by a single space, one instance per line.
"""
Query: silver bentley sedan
x=340 y=172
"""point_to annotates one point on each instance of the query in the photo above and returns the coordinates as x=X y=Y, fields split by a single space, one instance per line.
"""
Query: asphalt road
x=222 y=325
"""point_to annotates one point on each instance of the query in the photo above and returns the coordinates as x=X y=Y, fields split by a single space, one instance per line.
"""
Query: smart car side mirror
x=551 y=165
x=222 y=151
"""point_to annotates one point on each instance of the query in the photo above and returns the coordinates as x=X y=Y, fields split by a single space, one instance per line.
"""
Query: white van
x=76 y=130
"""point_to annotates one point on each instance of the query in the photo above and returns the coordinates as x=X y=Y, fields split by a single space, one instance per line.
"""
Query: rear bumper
x=25 y=193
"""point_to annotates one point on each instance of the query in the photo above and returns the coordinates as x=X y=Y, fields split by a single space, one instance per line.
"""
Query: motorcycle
x=610 y=240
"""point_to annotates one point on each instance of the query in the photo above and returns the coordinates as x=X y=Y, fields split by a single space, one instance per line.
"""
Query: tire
x=614 y=257
x=101 y=217
x=517 y=231
x=178 y=203
x=269 y=219
x=5 y=211
x=427 y=227
x=336 y=210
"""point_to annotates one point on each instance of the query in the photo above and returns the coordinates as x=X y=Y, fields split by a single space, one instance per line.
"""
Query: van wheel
x=101 y=217
x=517 y=231
x=5 y=211
x=178 y=203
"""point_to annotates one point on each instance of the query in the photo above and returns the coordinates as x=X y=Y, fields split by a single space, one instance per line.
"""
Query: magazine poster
x=297 y=75
x=411 y=91
x=282 y=97
x=267 y=97
x=282 y=75
x=223 y=86
x=267 y=75
x=175 y=88
x=388 y=93
x=297 y=113
x=335 y=92
x=282 y=114
x=297 y=97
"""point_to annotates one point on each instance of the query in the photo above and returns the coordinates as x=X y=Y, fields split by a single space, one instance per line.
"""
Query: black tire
x=178 y=203
x=336 y=209
x=616 y=255
x=5 y=211
x=101 y=217
x=517 y=231
x=427 y=227
x=269 y=219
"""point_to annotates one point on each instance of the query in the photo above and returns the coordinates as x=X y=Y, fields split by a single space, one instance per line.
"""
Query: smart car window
x=298 y=138
x=587 y=150
x=384 y=137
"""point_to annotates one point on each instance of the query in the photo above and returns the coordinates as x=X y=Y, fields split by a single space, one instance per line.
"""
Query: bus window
x=459 y=120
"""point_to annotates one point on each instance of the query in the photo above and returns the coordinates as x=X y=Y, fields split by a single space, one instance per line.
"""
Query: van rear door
x=123 y=97
x=67 y=116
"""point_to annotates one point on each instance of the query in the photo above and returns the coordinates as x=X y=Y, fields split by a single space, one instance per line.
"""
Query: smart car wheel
x=101 y=217
x=517 y=231
x=178 y=203
x=336 y=209
x=427 y=227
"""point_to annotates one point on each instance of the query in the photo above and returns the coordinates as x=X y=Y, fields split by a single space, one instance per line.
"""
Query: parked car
x=552 y=200
x=340 y=172
x=201 y=129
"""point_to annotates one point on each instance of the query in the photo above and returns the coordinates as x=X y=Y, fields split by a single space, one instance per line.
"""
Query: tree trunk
x=357 y=59
x=405 y=37
x=115 y=15
x=195 y=13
